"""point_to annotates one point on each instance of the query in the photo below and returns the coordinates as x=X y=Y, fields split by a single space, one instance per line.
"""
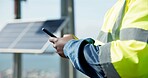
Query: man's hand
x=58 y=43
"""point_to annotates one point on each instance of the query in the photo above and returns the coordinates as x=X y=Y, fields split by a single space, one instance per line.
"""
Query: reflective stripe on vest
x=105 y=37
x=117 y=25
x=105 y=62
x=134 y=34
x=137 y=34
x=108 y=37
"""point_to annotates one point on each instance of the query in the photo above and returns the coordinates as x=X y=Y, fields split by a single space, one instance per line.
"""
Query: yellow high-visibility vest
x=124 y=38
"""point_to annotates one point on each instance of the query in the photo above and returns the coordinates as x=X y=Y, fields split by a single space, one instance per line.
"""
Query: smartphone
x=49 y=33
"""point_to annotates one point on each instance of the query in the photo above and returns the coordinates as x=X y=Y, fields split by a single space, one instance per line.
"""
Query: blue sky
x=88 y=13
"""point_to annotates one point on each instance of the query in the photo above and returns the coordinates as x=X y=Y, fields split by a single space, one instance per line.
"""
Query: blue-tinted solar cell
x=51 y=25
x=28 y=45
x=14 y=27
x=9 y=34
x=10 y=40
x=5 y=44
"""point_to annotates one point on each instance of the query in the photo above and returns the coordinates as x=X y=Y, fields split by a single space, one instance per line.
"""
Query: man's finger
x=53 y=39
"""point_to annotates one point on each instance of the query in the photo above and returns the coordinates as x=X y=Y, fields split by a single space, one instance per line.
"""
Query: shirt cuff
x=70 y=48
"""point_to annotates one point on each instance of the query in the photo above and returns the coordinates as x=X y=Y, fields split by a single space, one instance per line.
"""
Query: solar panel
x=27 y=37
